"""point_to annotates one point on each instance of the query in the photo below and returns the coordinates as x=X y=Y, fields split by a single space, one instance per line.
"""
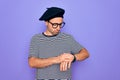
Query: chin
x=56 y=33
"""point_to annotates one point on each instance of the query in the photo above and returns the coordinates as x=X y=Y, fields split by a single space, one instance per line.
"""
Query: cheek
x=50 y=28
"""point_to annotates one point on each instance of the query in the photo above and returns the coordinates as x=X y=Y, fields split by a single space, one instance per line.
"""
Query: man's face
x=54 y=25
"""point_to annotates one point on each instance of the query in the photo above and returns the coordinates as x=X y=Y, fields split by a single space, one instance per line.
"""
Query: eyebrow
x=55 y=22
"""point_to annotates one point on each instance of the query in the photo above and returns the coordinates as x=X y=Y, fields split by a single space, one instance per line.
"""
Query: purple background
x=94 y=23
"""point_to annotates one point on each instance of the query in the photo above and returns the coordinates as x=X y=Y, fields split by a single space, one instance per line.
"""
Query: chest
x=53 y=48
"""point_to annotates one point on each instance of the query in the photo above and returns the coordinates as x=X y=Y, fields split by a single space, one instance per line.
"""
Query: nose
x=58 y=28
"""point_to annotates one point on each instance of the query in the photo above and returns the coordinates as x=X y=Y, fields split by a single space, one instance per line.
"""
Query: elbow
x=34 y=63
x=31 y=62
x=87 y=55
x=31 y=65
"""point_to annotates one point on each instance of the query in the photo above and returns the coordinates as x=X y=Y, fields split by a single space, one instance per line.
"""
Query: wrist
x=74 y=59
x=57 y=60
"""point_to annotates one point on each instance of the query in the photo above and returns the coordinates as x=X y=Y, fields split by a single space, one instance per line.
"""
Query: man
x=52 y=52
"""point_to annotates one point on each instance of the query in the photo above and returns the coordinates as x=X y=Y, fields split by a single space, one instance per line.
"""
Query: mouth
x=57 y=31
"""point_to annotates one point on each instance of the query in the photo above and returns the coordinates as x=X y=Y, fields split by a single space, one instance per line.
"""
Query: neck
x=48 y=33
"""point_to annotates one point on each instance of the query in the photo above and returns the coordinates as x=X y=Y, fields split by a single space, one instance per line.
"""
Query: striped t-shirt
x=42 y=46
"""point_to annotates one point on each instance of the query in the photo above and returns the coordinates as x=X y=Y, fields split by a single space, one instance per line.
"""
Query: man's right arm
x=35 y=62
x=43 y=62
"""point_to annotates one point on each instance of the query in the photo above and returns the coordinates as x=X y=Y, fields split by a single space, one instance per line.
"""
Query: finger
x=61 y=66
x=69 y=65
x=65 y=66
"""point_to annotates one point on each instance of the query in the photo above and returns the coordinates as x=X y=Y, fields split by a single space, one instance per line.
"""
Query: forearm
x=42 y=62
x=82 y=55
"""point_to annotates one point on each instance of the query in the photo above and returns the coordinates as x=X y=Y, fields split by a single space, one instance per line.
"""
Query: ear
x=46 y=23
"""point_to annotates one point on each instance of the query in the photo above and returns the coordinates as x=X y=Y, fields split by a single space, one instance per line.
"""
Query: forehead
x=56 y=19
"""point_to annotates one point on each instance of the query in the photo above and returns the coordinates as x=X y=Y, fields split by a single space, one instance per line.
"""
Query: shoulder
x=66 y=35
x=69 y=37
x=37 y=36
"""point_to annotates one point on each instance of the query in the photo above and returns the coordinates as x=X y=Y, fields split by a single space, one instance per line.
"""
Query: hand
x=66 y=59
x=63 y=66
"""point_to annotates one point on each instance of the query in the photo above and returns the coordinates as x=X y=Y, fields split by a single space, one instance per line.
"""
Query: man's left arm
x=82 y=55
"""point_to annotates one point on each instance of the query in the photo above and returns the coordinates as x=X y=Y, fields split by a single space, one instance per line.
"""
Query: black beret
x=52 y=12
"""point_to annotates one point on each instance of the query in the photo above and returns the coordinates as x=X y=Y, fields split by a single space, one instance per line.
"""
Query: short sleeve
x=33 y=49
x=75 y=46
